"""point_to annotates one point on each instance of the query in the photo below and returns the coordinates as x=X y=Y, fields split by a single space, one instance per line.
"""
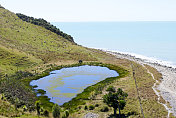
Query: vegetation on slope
x=25 y=47
x=13 y=60
x=35 y=44
x=45 y=24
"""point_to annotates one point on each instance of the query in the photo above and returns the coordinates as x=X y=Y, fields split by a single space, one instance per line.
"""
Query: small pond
x=63 y=85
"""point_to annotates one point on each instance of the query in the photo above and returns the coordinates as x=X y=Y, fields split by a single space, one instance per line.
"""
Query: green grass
x=21 y=38
x=11 y=60
x=35 y=48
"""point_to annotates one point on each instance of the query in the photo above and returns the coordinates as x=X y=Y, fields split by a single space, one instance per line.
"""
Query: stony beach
x=167 y=86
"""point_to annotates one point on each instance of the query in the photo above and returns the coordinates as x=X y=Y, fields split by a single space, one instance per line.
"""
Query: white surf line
x=157 y=93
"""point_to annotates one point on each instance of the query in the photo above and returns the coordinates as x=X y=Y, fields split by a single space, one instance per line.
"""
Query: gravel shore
x=167 y=87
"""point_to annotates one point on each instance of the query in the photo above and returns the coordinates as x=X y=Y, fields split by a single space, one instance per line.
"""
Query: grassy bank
x=87 y=94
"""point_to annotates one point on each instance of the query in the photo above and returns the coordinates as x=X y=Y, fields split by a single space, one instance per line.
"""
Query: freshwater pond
x=63 y=85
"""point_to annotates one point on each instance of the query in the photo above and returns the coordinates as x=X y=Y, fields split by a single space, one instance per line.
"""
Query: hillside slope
x=25 y=46
x=33 y=45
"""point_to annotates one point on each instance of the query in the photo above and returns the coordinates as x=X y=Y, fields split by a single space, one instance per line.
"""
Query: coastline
x=166 y=87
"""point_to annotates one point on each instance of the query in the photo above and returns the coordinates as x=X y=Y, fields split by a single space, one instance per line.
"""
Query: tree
x=115 y=99
x=56 y=111
x=37 y=104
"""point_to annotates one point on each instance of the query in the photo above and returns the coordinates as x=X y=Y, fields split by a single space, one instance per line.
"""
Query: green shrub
x=91 y=107
x=66 y=114
x=56 y=111
x=96 y=105
x=46 y=113
x=79 y=107
x=104 y=109
x=37 y=104
x=24 y=108
x=85 y=108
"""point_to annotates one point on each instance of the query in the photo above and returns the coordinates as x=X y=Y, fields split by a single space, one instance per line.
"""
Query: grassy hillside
x=28 y=47
x=34 y=45
x=45 y=24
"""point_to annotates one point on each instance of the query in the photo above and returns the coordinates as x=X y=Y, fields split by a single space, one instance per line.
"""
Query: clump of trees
x=115 y=98
x=45 y=24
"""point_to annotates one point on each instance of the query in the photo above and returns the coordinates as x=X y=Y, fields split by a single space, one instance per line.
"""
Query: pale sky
x=95 y=10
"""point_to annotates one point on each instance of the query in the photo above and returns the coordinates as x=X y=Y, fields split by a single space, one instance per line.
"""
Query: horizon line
x=113 y=21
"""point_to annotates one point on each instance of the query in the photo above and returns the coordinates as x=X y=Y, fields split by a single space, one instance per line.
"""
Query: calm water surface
x=151 y=39
x=62 y=85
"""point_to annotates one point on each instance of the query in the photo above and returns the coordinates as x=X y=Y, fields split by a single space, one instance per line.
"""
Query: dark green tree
x=56 y=111
x=115 y=99
x=37 y=104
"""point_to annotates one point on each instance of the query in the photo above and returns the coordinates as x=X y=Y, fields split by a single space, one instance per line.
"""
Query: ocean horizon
x=151 y=40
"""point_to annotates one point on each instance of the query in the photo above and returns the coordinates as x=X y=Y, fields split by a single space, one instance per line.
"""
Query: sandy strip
x=167 y=87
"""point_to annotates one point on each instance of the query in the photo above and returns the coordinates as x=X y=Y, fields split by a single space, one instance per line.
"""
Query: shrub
x=24 y=108
x=96 y=105
x=66 y=114
x=56 y=111
x=111 y=89
x=85 y=108
x=91 y=107
x=46 y=113
x=79 y=107
x=104 y=109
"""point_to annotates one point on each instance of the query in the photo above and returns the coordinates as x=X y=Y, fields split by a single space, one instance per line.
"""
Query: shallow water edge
x=85 y=95
x=62 y=85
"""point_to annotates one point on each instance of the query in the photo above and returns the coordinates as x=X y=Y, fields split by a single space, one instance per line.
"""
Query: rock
x=91 y=115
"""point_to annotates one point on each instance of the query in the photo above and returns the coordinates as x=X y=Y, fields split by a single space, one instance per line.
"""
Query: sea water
x=154 y=40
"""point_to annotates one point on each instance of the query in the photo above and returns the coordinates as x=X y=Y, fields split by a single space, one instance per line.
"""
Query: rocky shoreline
x=167 y=86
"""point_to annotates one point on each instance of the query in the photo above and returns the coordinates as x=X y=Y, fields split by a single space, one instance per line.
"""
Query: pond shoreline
x=85 y=95
x=64 y=84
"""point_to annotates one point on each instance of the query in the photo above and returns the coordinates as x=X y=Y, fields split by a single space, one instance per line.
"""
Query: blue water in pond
x=62 y=85
x=156 y=40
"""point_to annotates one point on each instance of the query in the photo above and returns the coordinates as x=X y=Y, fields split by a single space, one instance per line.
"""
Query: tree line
x=45 y=24
x=1 y=7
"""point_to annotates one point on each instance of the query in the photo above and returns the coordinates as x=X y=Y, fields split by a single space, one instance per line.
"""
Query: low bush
x=91 y=107
x=104 y=109
x=85 y=108
x=96 y=105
